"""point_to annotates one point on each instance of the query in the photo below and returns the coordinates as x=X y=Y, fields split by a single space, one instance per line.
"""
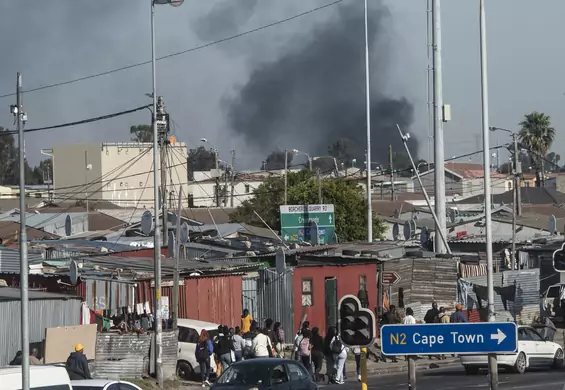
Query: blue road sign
x=439 y=339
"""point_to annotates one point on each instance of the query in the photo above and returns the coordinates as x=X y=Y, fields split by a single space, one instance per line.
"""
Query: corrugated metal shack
x=46 y=310
x=523 y=309
x=10 y=259
x=423 y=281
x=275 y=299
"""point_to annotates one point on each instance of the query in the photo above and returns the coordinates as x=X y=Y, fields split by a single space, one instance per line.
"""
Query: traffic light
x=559 y=259
x=356 y=324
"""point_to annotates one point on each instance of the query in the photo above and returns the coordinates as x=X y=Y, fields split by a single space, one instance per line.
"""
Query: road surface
x=456 y=379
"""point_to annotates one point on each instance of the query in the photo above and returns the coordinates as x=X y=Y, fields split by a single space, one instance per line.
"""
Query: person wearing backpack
x=203 y=351
x=305 y=348
x=339 y=356
x=279 y=339
x=298 y=338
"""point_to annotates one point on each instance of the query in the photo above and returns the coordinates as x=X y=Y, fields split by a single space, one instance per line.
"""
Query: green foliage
x=141 y=133
x=536 y=135
x=346 y=195
x=9 y=164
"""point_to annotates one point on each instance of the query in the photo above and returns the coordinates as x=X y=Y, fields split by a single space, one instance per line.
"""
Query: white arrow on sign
x=286 y=237
x=330 y=219
x=498 y=336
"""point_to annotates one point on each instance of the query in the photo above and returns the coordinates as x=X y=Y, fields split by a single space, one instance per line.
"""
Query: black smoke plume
x=314 y=94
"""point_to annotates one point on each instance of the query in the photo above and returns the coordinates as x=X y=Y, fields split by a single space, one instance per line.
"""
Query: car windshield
x=212 y=333
x=245 y=374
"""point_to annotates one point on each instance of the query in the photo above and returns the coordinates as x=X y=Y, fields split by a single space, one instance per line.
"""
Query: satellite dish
x=280 y=260
x=424 y=235
x=184 y=232
x=314 y=237
x=395 y=232
x=73 y=270
x=407 y=230
x=68 y=225
x=552 y=224
x=396 y=214
x=146 y=222
x=171 y=245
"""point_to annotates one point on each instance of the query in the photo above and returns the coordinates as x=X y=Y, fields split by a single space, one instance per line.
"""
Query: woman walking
x=317 y=353
x=203 y=352
x=305 y=348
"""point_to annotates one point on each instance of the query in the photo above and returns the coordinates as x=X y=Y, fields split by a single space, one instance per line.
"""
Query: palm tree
x=536 y=135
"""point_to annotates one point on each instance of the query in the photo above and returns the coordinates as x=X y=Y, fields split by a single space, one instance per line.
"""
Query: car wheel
x=520 y=365
x=558 y=359
x=471 y=370
x=185 y=371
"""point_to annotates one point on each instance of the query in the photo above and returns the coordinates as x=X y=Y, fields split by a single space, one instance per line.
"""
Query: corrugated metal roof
x=13 y=294
x=10 y=259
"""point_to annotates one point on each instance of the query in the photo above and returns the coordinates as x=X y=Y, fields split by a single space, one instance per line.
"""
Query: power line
x=81 y=122
x=196 y=48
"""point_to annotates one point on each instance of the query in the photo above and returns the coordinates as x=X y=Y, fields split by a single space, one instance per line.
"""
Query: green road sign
x=300 y=222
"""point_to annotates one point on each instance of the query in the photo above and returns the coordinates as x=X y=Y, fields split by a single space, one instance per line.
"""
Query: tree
x=347 y=197
x=275 y=160
x=141 y=133
x=553 y=158
x=8 y=160
x=344 y=151
x=536 y=135
x=201 y=159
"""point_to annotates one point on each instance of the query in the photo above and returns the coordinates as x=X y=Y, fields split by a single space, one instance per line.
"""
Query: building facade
x=216 y=189
x=121 y=173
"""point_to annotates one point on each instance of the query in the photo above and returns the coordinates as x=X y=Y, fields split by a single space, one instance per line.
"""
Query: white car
x=103 y=384
x=189 y=331
x=533 y=351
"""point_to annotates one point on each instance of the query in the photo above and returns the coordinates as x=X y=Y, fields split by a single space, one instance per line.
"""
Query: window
x=363 y=282
x=125 y=386
x=247 y=190
x=307 y=292
x=535 y=336
x=278 y=375
x=54 y=387
x=188 y=335
x=523 y=335
x=297 y=372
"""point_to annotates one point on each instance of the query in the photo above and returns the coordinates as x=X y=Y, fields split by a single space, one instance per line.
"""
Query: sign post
x=308 y=223
x=447 y=339
x=391 y=278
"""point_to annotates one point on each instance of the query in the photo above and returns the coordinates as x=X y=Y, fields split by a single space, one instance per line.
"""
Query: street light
x=157 y=231
x=296 y=151
x=333 y=158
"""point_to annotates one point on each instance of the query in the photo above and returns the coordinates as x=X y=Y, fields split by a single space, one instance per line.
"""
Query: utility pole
x=285 y=175
x=492 y=364
x=232 y=177
x=162 y=124
x=225 y=188
x=391 y=172
x=319 y=181
x=439 y=168
x=217 y=167
x=368 y=115
x=177 y=257
x=515 y=205
x=20 y=117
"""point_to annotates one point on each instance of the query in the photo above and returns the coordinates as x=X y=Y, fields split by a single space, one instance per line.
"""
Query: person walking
x=238 y=344
x=279 y=336
x=261 y=346
x=246 y=321
x=298 y=338
x=305 y=350
x=458 y=316
x=77 y=364
x=339 y=356
x=432 y=315
x=409 y=317
x=222 y=348
x=317 y=353
x=443 y=317
x=203 y=353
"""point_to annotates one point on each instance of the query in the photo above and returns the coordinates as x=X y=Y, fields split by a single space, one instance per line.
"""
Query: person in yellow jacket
x=246 y=321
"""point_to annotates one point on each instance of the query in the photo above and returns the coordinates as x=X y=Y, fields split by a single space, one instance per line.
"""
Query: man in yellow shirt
x=246 y=321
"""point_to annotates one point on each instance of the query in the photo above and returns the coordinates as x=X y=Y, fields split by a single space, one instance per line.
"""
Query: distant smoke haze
x=314 y=93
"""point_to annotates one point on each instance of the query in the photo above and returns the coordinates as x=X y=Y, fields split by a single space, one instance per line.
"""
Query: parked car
x=103 y=384
x=189 y=331
x=40 y=377
x=533 y=351
x=265 y=374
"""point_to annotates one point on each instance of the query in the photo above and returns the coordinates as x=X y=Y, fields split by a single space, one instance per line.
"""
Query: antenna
x=73 y=269
x=146 y=222
x=68 y=225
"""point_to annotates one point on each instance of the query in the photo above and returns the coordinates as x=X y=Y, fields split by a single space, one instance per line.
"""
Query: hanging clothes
x=482 y=294
x=507 y=293
x=463 y=289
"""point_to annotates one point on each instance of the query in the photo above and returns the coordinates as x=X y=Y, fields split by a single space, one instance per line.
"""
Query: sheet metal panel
x=249 y=295
x=275 y=299
x=10 y=259
x=121 y=356
x=108 y=295
x=43 y=313
x=169 y=354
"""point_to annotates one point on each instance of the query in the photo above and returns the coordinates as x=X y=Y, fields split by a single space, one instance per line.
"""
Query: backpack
x=202 y=353
x=297 y=340
x=304 y=347
x=337 y=346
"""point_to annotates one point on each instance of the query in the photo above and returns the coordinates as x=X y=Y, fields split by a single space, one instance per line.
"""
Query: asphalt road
x=456 y=379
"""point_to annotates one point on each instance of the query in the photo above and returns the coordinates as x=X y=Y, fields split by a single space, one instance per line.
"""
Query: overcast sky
x=58 y=40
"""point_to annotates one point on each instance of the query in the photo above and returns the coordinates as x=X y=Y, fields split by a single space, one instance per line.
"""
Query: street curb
x=395 y=368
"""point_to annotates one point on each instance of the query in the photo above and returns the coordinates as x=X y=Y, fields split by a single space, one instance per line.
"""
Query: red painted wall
x=214 y=299
x=347 y=283
x=146 y=252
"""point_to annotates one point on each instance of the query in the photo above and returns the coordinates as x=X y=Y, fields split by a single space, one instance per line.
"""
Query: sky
x=59 y=40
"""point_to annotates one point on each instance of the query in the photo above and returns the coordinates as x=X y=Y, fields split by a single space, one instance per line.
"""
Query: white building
x=121 y=173
x=203 y=188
